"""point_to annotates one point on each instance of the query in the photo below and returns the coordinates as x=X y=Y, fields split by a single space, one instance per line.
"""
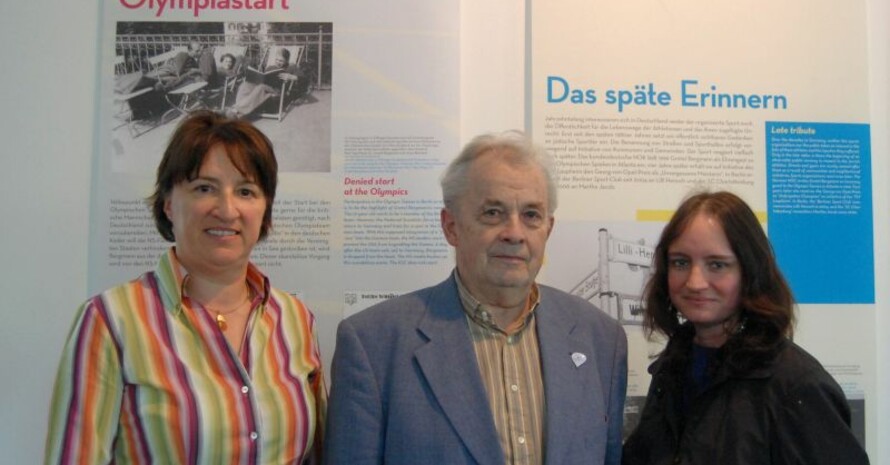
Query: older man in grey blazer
x=487 y=367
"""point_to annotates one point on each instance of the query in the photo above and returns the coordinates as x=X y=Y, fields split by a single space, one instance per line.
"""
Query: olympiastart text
x=197 y=6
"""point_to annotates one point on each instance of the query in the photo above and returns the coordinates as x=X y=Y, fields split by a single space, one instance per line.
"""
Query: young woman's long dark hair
x=765 y=301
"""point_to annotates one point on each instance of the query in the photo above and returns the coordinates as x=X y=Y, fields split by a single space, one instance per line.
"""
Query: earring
x=672 y=311
x=742 y=323
x=739 y=326
x=676 y=313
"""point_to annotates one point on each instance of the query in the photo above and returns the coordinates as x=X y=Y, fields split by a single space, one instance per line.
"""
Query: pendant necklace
x=221 y=315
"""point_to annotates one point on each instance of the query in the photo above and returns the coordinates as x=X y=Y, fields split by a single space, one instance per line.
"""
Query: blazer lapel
x=448 y=362
x=565 y=380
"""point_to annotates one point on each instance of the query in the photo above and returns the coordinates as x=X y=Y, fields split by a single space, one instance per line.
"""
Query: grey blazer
x=406 y=388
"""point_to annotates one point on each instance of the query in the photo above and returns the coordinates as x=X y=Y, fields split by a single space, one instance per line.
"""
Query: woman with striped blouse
x=199 y=361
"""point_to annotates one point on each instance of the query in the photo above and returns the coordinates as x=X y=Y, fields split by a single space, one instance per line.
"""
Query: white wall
x=47 y=106
x=47 y=95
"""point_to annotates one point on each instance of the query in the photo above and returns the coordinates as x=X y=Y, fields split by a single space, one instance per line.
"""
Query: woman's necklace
x=221 y=315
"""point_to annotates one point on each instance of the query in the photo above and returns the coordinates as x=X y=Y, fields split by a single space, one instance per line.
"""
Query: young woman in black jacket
x=731 y=387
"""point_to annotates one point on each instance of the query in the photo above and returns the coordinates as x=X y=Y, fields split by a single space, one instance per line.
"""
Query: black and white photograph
x=606 y=263
x=276 y=75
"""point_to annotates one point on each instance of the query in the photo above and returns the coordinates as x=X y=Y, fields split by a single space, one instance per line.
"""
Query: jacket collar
x=564 y=381
x=445 y=358
x=448 y=363
x=663 y=365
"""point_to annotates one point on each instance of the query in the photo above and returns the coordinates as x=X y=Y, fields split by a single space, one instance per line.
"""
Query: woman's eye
x=203 y=188
x=678 y=263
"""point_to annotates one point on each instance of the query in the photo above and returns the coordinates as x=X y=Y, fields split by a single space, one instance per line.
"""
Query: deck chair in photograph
x=287 y=95
x=169 y=70
x=161 y=66
x=228 y=79
x=127 y=91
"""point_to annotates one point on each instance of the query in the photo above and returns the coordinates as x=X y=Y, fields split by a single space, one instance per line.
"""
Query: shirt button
x=521 y=439
x=244 y=389
x=253 y=435
x=514 y=387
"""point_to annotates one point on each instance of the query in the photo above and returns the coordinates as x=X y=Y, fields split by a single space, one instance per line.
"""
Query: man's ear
x=449 y=226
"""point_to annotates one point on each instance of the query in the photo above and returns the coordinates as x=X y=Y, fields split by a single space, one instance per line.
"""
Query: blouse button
x=244 y=389
x=253 y=435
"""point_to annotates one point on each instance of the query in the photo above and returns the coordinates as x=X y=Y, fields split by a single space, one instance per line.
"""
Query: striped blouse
x=146 y=378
